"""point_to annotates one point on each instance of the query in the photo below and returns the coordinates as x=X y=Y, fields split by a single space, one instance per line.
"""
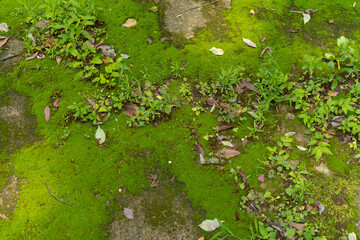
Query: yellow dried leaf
x=252 y=11
x=201 y=238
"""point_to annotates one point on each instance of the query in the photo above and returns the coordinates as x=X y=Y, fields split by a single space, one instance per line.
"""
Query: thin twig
x=189 y=9
x=47 y=185
x=264 y=50
x=298 y=12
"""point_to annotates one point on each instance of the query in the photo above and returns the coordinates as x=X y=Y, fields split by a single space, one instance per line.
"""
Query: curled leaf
x=32 y=56
x=302 y=148
x=249 y=43
x=217 y=51
x=223 y=127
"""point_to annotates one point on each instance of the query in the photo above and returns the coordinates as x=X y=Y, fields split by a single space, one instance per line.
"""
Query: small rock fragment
x=331 y=21
x=290 y=116
x=4 y=27
x=261 y=178
x=149 y=40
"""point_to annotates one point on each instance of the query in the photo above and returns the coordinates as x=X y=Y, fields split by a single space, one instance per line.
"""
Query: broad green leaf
x=302 y=148
x=96 y=60
x=100 y=135
x=290 y=233
x=262 y=229
x=103 y=109
x=74 y=52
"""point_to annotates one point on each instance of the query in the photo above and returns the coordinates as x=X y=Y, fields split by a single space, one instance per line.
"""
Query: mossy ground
x=89 y=175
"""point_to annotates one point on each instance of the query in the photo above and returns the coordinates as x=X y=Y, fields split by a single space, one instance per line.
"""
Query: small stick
x=264 y=50
x=299 y=12
x=47 y=185
x=189 y=9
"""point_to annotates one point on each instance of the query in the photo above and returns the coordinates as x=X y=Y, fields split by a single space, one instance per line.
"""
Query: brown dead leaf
x=290 y=116
x=330 y=132
x=332 y=94
x=222 y=137
x=56 y=103
x=261 y=178
x=239 y=90
x=309 y=208
x=3 y=42
x=32 y=56
x=244 y=142
x=224 y=126
x=47 y=113
x=199 y=149
x=294 y=30
x=40 y=56
x=130 y=110
x=243 y=176
x=299 y=226
x=248 y=85
x=211 y=102
x=58 y=59
x=227 y=153
x=91 y=102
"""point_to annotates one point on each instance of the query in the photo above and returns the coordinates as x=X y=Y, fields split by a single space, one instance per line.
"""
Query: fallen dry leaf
x=217 y=51
x=32 y=56
x=222 y=137
x=243 y=176
x=332 y=94
x=56 y=103
x=244 y=142
x=130 y=110
x=201 y=238
x=299 y=226
x=40 y=56
x=249 y=43
x=130 y=22
x=91 y=102
x=261 y=178
x=330 y=132
x=3 y=42
x=58 y=59
x=47 y=113
x=227 y=153
x=239 y=90
x=248 y=85
x=290 y=116
x=309 y=208
x=199 y=149
x=224 y=126
x=294 y=30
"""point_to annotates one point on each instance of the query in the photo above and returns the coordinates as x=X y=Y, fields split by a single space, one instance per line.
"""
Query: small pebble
x=331 y=21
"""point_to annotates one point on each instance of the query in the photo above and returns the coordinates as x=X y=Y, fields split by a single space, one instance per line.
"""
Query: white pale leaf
x=209 y=225
x=302 y=148
x=124 y=56
x=306 y=17
x=100 y=135
x=249 y=43
x=129 y=213
x=217 y=51
x=289 y=134
x=202 y=159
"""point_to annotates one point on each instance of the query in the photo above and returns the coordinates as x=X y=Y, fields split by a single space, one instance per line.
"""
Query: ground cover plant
x=264 y=148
